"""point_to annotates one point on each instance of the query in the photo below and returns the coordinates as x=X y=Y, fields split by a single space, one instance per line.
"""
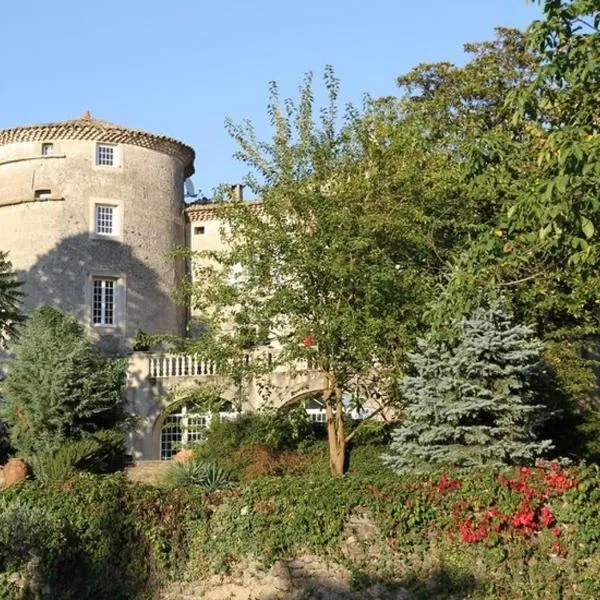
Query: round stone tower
x=90 y=213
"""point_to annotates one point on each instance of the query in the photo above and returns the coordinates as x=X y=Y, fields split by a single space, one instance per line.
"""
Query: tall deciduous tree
x=541 y=248
x=10 y=296
x=336 y=262
x=59 y=387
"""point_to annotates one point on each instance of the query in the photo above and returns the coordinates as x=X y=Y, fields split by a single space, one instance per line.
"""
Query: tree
x=540 y=249
x=541 y=246
x=59 y=387
x=332 y=266
x=471 y=403
x=10 y=296
x=359 y=225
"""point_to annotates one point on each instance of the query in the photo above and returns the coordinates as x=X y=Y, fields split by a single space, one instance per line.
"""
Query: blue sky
x=180 y=67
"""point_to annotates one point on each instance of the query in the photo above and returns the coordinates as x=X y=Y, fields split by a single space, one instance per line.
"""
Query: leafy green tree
x=59 y=387
x=10 y=296
x=542 y=248
x=539 y=250
x=471 y=403
x=332 y=266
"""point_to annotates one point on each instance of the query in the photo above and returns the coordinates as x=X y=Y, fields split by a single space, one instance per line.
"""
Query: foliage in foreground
x=203 y=474
x=509 y=533
x=472 y=401
x=59 y=387
x=10 y=298
x=95 y=452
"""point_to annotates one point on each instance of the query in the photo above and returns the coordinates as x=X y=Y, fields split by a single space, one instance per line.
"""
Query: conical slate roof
x=88 y=128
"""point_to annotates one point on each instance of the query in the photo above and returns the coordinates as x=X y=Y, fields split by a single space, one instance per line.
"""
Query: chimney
x=237 y=192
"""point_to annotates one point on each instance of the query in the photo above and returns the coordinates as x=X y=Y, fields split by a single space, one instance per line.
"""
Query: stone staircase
x=148 y=471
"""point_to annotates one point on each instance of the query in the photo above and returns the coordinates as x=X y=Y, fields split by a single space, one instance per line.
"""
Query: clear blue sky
x=179 y=67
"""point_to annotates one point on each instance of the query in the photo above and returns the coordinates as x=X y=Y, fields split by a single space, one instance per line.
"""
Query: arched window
x=186 y=427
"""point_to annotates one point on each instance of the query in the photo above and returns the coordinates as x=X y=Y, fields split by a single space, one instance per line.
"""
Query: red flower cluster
x=492 y=520
x=446 y=484
x=557 y=481
x=472 y=534
x=535 y=488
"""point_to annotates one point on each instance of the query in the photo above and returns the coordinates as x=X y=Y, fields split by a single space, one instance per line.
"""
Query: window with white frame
x=106 y=219
x=315 y=409
x=181 y=429
x=103 y=301
x=106 y=155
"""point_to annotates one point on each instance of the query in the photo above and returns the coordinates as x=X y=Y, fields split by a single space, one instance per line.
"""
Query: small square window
x=47 y=149
x=106 y=155
x=43 y=194
x=198 y=230
x=106 y=219
x=103 y=302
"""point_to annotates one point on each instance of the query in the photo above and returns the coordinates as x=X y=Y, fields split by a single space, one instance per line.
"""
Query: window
x=315 y=409
x=103 y=302
x=106 y=156
x=43 y=194
x=47 y=149
x=181 y=429
x=198 y=230
x=106 y=219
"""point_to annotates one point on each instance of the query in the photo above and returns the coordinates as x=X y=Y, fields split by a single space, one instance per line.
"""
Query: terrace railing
x=189 y=365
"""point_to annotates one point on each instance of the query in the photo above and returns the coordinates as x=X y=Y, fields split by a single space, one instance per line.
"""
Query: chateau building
x=90 y=213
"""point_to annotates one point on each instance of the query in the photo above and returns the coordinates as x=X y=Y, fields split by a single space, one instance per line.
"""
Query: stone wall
x=46 y=225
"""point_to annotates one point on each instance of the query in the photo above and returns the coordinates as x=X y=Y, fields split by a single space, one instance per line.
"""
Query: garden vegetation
x=435 y=255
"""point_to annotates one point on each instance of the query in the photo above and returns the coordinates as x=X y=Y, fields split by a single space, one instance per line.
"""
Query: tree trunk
x=335 y=428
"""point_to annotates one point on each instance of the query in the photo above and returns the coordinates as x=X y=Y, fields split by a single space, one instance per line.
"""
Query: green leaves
x=10 y=298
x=59 y=387
x=587 y=227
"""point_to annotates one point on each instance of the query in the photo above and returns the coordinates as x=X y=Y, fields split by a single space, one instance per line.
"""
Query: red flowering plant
x=518 y=506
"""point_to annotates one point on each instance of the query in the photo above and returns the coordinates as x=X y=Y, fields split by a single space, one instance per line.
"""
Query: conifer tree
x=59 y=387
x=10 y=296
x=471 y=402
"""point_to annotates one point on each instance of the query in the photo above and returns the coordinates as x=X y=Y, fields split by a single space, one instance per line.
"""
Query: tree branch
x=373 y=414
x=518 y=281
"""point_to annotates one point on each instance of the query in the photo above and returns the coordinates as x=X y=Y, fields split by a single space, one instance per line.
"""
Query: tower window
x=106 y=219
x=47 y=149
x=103 y=302
x=43 y=194
x=198 y=230
x=106 y=155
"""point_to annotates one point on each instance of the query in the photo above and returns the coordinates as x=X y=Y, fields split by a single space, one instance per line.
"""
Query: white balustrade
x=179 y=365
x=190 y=365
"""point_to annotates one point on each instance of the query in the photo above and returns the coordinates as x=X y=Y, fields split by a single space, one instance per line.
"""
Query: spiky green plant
x=205 y=474
x=87 y=453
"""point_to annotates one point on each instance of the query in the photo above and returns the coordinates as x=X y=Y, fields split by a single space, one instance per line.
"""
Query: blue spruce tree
x=471 y=403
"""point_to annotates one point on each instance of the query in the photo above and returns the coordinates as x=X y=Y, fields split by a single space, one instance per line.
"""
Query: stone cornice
x=101 y=131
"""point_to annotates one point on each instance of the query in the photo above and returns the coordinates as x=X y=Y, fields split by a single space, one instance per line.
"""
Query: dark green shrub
x=59 y=386
x=284 y=429
x=371 y=433
x=95 y=452
x=93 y=537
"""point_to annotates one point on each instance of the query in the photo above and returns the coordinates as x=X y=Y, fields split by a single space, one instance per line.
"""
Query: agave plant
x=205 y=474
